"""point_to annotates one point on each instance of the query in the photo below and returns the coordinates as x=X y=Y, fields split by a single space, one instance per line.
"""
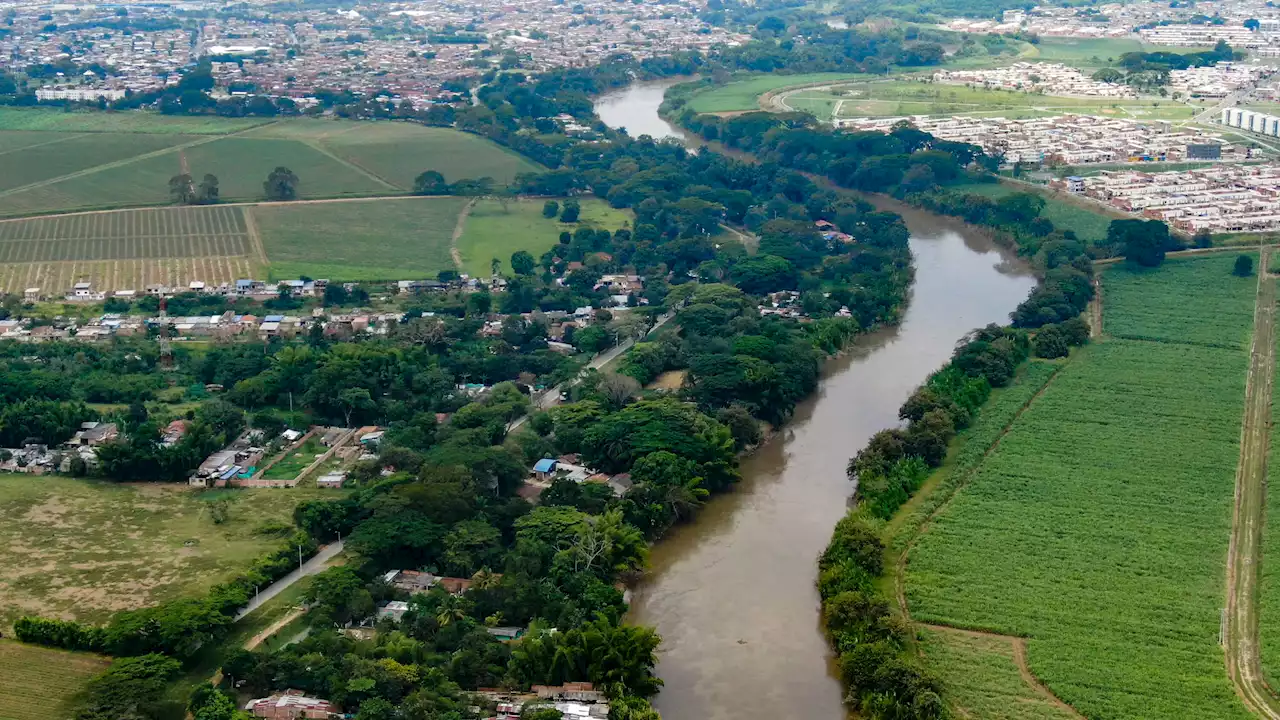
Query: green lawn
x=296 y=461
x=1093 y=53
x=12 y=118
x=1089 y=224
x=1269 y=572
x=492 y=232
x=86 y=549
x=1099 y=526
x=360 y=240
x=744 y=94
x=41 y=683
x=74 y=153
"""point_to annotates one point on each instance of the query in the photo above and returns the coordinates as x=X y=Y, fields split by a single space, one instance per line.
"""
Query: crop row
x=995 y=416
x=54 y=278
x=163 y=222
x=27 y=251
x=1188 y=300
x=1098 y=528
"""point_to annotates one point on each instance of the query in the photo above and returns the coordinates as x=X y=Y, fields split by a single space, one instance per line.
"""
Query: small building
x=291 y=705
x=31 y=294
x=93 y=434
x=506 y=634
x=331 y=480
x=1075 y=184
x=545 y=469
x=395 y=609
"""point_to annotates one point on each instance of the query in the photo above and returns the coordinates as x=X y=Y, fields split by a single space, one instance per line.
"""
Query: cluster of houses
x=1069 y=139
x=1046 y=78
x=38 y=459
x=577 y=701
x=241 y=463
x=1219 y=198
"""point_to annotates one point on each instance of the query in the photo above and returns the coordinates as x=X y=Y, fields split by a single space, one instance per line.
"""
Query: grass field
x=43 y=119
x=491 y=232
x=1088 y=224
x=82 y=549
x=1089 y=53
x=1269 y=572
x=883 y=98
x=741 y=95
x=40 y=683
x=360 y=240
x=1098 y=528
x=128 y=249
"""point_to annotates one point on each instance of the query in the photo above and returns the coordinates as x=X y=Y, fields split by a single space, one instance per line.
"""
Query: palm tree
x=454 y=608
x=684 y=499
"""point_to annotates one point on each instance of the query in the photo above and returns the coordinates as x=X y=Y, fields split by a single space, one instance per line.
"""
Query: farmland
x=360 y=240
x=84 y=549
x=66 y=167
x=1098 y=527
x=494 y=232
x=1171 y=304
x=39 y=683
x=125 y=250
x=50 y=120
x=981 y=675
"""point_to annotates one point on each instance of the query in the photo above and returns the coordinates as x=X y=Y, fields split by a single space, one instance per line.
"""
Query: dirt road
x=1245 y=552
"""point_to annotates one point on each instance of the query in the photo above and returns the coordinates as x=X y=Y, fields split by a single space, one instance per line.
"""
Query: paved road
x=310 y=567
x=551 y=398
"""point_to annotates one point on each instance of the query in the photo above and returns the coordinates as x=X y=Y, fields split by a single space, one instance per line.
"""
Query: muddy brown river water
x=733 y=592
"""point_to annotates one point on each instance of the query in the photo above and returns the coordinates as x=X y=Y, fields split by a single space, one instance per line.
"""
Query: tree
x=570 y=212
x=353 y=399
x=182 y=189
x=207 y=193
x=495 y=265
x=1202 y=239
x=1109 y=75
x=617 y=390
x=430 y=183
x=522 y=262
x=550 y=209
x=281 y=184
x=1243 y=266
x=1142 y=241
x=1252 y=24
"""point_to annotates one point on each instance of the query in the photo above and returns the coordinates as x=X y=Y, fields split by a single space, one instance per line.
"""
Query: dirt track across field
x=1244 y=555
x=1019 y=644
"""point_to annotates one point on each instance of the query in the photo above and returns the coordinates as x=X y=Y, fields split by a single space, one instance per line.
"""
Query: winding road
x=1244 y=664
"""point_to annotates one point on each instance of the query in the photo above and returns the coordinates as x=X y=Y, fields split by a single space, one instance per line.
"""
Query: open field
x=128 y=249
x=66 y=167
x=49 y=120
x=73 y=153
x=882 y=98
x=1098 y=528
x=491 y=232
x=84 y=549
x=399 y=152
x=40 y=683
x=1089 y=225
x=360 y=240
x=982 y=676
x=745 y=94
x=1092 y=53
x=1170 y=304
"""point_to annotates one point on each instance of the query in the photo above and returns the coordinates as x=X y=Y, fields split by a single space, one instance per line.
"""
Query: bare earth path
x=457 y=233
x=1244 y=665
x=1019 y=644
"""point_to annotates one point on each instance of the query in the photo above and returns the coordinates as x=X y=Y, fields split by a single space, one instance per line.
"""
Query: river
x=733 y=593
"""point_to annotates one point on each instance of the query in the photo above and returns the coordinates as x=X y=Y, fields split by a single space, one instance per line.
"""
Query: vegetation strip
x=1245 y=554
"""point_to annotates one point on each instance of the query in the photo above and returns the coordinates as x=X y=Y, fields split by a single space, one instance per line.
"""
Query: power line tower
x=166 y=351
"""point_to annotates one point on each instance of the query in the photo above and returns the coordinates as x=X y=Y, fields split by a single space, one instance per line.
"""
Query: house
x=82 y=291
x=411 y=581
x=454 y=586
x=31 y=294
x=331 y=480
x=173 y=432
x=291 y=705
x=394 y=609
x=506 y=634
x=93 y=434
x=545 y=469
